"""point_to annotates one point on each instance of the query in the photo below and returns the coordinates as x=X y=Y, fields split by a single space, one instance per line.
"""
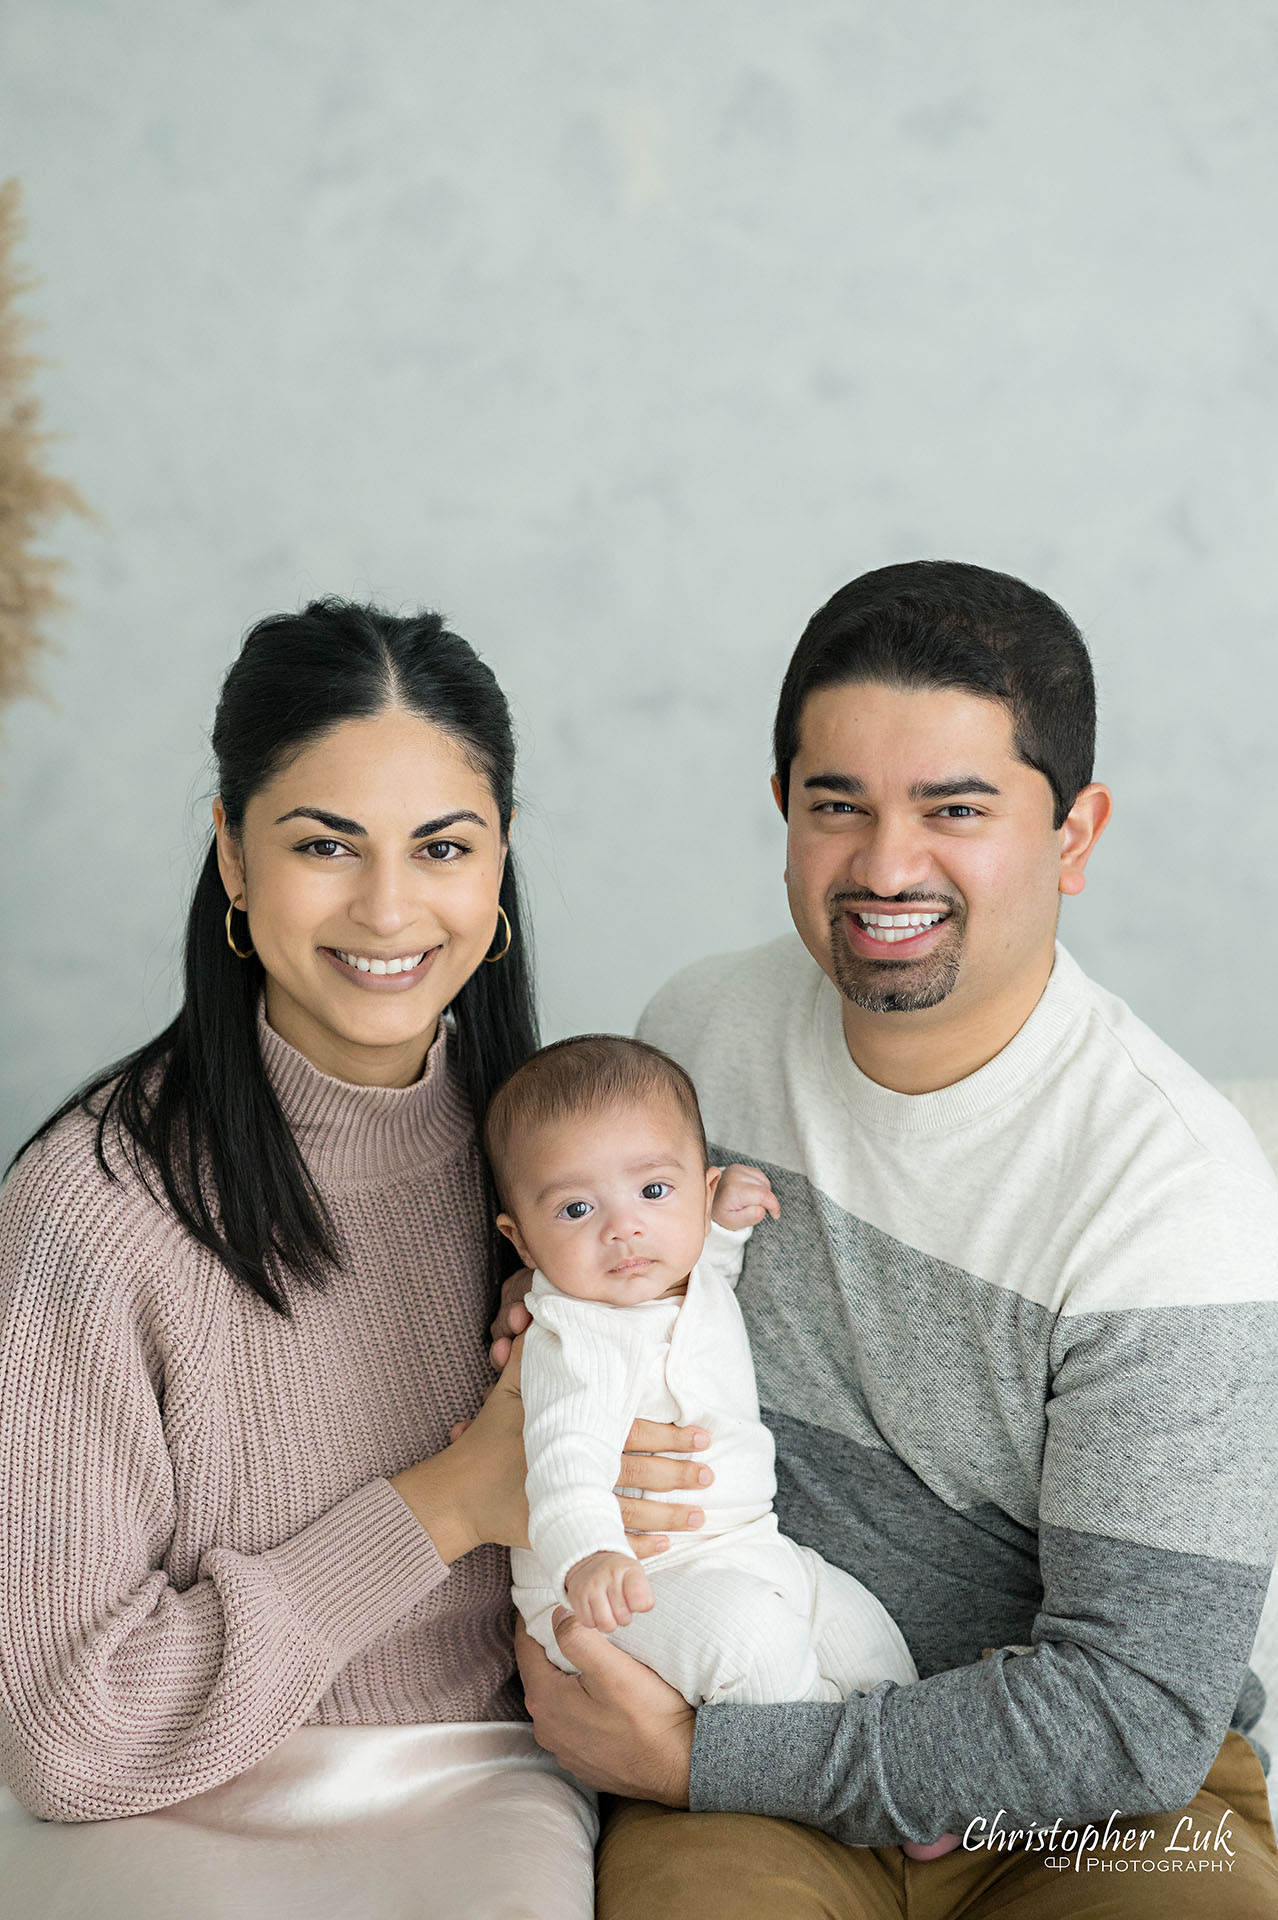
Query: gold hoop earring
x=491 y=958
x=230 y=937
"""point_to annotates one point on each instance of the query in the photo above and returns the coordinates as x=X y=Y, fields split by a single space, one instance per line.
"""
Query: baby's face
x=614 y=1205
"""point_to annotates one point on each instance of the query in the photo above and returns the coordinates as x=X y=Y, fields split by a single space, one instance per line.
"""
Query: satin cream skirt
x=338 y=1823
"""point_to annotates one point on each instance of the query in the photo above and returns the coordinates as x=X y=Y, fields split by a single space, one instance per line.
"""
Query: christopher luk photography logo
x=1192 y=1848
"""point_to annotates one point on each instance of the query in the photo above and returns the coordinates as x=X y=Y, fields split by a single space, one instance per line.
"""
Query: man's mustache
x=859 y=897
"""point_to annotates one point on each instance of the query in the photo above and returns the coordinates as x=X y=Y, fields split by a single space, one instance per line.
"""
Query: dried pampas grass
x=30 y=495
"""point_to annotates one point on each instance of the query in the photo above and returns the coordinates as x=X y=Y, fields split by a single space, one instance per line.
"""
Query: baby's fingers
x=628 y=1594
x=759 y=1208
x=599 y=1611
x=757 y=1191
x=747 y=1213
x=637 y=1590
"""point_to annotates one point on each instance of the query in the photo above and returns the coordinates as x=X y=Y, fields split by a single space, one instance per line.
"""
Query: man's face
x=923 y=869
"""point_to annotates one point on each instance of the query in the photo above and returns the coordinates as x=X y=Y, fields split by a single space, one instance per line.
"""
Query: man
x=1016 y=1331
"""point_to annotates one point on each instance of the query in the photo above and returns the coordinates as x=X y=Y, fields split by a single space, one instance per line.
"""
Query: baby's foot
x=934 y=1848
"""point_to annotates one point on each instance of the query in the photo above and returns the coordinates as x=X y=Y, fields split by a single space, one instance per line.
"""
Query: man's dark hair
x=943 y=623
x=587 y=1074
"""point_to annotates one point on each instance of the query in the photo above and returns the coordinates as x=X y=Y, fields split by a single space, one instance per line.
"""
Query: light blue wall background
x=625 y=334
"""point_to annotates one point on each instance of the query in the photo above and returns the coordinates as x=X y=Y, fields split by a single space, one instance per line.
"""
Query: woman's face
x=378 y=846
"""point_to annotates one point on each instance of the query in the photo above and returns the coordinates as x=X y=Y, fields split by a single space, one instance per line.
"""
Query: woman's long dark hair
x=194 y=1107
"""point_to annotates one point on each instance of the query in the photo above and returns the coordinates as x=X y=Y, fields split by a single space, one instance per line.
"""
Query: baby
x=600 y=1159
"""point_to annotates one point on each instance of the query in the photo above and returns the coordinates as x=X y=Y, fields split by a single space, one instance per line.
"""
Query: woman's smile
x=381 y=973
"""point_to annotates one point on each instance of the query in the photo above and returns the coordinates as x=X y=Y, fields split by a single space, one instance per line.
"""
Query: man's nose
x=891 y=857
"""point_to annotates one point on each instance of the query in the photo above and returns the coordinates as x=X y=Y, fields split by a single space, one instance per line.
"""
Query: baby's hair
x=587 y=1074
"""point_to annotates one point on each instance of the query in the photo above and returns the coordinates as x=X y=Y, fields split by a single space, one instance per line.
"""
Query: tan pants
x=658 y=1864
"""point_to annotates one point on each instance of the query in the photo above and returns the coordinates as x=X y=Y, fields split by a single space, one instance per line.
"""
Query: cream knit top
x=199 y=1548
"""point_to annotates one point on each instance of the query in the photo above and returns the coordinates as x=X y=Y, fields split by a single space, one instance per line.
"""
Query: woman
x=244 y=1277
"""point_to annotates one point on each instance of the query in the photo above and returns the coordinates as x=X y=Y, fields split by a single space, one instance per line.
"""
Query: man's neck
x=924 y=1052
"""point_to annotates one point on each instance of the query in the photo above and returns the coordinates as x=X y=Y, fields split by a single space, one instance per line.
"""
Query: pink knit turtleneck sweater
x=199 y=1549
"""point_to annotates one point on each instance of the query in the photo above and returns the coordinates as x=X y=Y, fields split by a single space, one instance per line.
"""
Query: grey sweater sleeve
x=1139 y=1649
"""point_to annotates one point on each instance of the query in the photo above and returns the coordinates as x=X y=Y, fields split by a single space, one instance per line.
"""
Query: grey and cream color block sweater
x=1018 y=1344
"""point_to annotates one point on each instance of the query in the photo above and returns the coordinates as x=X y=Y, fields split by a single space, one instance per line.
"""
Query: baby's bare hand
x=607 y=1590
x=743 y=1196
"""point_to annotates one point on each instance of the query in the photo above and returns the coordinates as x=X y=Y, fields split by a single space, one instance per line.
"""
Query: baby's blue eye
x=576 y=1210
x=656 y=1190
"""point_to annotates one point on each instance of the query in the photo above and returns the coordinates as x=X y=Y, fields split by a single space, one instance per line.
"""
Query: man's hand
x=743 y=1196
x=615 y=1723
x=606 y=1590
x=645 y=1465
x=513 y=1317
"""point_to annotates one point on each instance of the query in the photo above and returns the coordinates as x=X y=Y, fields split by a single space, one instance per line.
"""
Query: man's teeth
x=891 y=927
x=404 y=964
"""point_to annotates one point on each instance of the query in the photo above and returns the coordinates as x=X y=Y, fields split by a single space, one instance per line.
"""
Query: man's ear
x=230 y=860
x=1083 y=826
x=776 y=795
x=507 y=1224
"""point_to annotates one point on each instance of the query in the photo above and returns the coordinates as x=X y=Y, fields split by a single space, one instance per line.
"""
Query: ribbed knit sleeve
x=583 y=1371
x=121 y=1690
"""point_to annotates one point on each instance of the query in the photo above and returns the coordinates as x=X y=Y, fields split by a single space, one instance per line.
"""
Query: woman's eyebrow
x=336 y=821
x=447 y=820
x=339 y=824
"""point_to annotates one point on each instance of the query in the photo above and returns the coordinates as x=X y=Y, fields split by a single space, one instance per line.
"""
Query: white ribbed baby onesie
x=742 y=1614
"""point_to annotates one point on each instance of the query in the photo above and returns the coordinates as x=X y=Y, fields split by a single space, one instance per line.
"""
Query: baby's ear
x=507 y=1224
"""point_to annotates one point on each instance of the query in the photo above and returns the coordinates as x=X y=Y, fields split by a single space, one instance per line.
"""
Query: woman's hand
x=645 y=1465
x=513 y=1317
x=473 y=1492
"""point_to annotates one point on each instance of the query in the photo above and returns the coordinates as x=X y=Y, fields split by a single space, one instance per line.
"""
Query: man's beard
x=898 y=986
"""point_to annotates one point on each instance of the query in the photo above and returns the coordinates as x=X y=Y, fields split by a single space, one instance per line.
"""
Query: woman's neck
x=342 y=1059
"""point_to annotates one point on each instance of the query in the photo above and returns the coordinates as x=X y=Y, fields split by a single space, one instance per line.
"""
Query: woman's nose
x=379 y=898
